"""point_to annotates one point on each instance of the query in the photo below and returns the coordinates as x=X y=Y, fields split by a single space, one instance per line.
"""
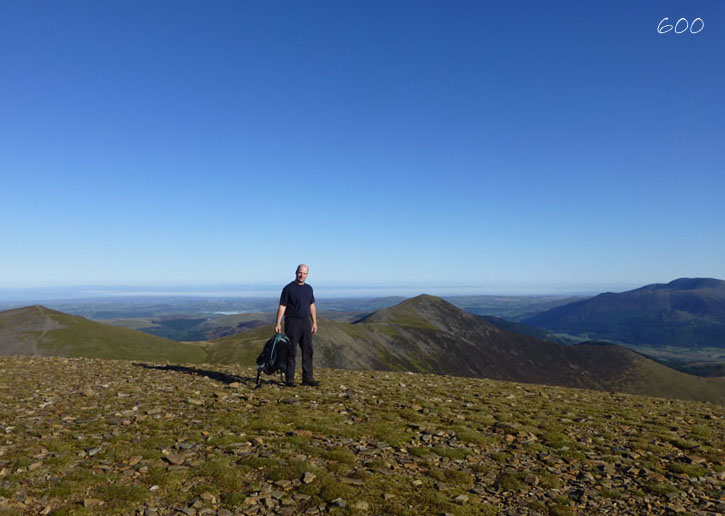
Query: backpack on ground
x=268 y=360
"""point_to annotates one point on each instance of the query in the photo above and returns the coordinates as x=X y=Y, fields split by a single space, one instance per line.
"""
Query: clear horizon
x=322 y=291
x=415 y=143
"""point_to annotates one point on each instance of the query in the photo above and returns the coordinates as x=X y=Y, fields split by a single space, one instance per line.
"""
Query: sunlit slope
x=423 y=334
x=36 y=330
x=427 y=334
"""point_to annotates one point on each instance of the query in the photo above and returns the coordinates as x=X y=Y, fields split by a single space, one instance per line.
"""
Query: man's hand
x=313 y=313
x=280 y=313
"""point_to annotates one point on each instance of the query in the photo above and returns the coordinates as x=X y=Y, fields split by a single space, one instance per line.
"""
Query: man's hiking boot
x=311 y=382
x=290 y=383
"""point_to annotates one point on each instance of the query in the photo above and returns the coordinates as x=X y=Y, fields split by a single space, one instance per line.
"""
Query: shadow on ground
x=214 y=375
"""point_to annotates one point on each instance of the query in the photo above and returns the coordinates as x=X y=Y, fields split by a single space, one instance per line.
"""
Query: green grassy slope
x=242 y=348
x=37 y=330
x=427 y=334
x=656 y=379
x=423 y=334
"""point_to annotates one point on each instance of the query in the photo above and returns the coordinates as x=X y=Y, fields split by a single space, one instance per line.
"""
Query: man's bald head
x=301 y=273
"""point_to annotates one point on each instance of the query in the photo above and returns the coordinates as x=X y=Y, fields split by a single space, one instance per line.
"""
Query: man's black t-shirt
x=297 y=298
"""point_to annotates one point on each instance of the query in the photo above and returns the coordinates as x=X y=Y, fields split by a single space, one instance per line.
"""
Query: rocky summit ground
x=90 y=436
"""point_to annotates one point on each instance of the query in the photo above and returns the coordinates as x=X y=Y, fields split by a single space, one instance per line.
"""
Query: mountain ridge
x=686 y=312
x=429 y=335
x=422 y=334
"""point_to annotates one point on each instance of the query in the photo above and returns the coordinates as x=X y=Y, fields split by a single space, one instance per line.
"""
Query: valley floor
x=84 y=436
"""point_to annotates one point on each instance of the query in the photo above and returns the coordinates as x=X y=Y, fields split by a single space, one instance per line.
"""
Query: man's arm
x=278 y=324
x=313 y=311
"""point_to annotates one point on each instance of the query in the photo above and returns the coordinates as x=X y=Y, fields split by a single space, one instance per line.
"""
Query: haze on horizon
x=460 y=144
x=89 y=293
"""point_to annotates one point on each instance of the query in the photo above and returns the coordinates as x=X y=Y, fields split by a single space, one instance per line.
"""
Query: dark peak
x=419 y=310
x=686 y=284
x=423 y=299
x=31 y=309
x=42 y=309
x=695 y=283
x=425 y=303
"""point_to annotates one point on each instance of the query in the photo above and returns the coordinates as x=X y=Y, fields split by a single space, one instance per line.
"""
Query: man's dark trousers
x=299 y=331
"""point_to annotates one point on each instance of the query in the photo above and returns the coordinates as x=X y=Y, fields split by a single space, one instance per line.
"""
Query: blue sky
x=510 y=145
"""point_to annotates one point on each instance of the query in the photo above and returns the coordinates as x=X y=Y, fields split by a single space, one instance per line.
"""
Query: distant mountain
x=423 y=334
x=687 y=312
x=427 y=334
x=37 y=330
x=188 y=321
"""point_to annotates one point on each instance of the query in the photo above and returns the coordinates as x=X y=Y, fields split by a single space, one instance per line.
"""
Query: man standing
x=297 y=305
